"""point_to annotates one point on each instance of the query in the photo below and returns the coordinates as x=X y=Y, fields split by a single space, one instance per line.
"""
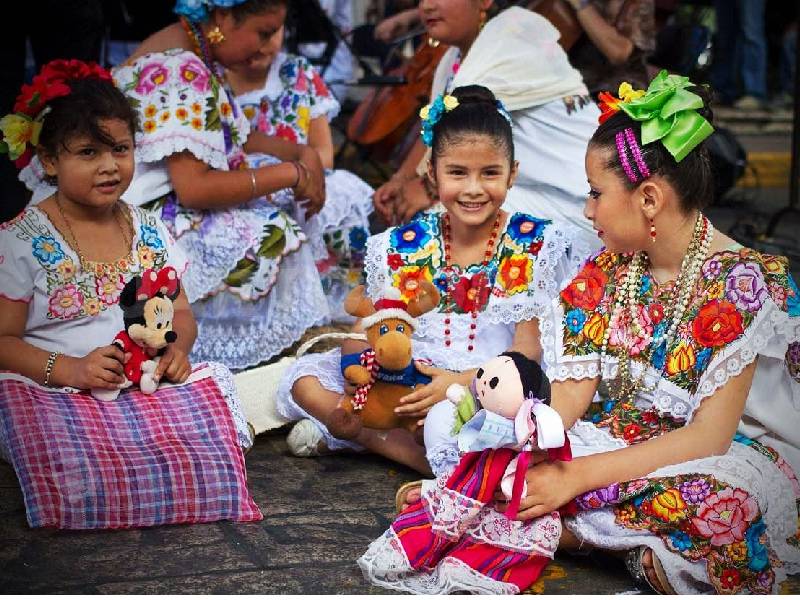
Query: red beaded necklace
x=477 y=282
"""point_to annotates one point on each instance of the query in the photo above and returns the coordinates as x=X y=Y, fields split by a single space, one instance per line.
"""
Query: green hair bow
x=668 y=112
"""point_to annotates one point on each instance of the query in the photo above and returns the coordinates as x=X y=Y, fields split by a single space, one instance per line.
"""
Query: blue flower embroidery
x=47 y=250
x=358 y=238
x=575 y=320
x=793 y=300
x=524 y=229
x=702 y=360
x=410 y=238
x=150 y=236
x=759 y=560
x=659 y=355
x=680 y=541
x=440 y=281
x=646 y=281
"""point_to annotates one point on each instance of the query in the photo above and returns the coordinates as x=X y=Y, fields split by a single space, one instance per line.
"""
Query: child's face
x=612 y=207
x=258 y=65
x=247 y=40
x=473 y=176
x=91 y=173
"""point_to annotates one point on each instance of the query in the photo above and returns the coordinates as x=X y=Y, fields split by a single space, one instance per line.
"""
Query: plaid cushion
x=172 y=457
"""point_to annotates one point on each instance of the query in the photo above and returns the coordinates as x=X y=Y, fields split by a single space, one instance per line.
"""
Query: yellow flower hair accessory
x=626 y=92
x=431 y=114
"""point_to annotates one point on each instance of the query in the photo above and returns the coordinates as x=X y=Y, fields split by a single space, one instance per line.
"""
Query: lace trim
x=33 y=176
x=153 y=149
x=385 y=564
x=442 y=458
x=224 y=379
x=559 y=367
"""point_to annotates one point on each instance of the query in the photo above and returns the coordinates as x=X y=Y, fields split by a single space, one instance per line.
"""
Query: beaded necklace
x=479 y=282
x=201 y=49
x=628 y=296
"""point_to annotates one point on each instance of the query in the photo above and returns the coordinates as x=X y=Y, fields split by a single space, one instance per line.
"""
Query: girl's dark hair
x=255 y=7
x=476 y=114
x=80 y=111
x=691 y=178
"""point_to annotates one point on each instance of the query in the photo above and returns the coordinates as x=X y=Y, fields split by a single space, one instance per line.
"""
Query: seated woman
x=172 y=456
x=619 y=36
x=283 y=96
x=516 y=54
x=690 y=465
x=495 y=272
x=251 y=279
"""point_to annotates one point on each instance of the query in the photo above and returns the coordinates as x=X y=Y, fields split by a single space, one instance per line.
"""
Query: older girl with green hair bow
x=687 y=465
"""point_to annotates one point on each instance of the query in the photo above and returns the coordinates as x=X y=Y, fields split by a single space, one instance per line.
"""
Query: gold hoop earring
x=433 y=42
x=215 y=36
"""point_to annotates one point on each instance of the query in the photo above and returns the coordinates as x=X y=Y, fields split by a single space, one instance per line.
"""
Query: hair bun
x=474 y=94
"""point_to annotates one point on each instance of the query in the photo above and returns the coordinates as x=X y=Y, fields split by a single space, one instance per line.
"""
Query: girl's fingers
x=534 y=512
x=113 y=365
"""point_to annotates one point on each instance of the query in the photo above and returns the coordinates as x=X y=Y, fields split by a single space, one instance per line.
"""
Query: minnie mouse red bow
x=164 y=281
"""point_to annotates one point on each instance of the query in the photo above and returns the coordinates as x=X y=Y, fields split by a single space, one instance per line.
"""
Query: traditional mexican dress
x=138 y=460
x=251 y=278
x=292 y=96
x=724 y=523
x=532 y=256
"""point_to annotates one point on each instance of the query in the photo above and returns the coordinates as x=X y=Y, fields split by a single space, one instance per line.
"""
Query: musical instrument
x=383 y=119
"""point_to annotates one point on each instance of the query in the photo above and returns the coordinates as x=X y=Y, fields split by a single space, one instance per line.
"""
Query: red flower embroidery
x=320 y=89
x=656 y=313
x=586 y=290
x=285 y=132
x=471 y=294
x=631 y=432
x=535 y=247
x=717 y=323
x=395 y=261
x=730 y=579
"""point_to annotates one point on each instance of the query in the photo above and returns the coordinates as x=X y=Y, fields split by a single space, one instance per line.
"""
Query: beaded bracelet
x=48 y=370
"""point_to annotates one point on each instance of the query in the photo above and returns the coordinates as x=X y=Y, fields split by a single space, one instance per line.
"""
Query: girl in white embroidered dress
x=690 y=464
x=496 y=273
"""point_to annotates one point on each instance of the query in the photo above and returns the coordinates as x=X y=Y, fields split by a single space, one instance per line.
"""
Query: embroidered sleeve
x=16 y=275
x=181 y=106
x=573 y=331
x=536 y=258
x=155 y=234
x=321 y=102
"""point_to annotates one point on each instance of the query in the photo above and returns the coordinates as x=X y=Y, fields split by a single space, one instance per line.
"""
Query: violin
x=386 y=117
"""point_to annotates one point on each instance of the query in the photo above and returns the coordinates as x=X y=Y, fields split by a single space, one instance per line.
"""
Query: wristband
x=48 y=369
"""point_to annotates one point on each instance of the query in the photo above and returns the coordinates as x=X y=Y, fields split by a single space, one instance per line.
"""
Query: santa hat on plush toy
x=391 y=306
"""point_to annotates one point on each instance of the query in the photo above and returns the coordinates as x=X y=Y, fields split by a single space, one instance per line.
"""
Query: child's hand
x=551 y=485
x=419 y=402
x=174 y=365
x=101 y=369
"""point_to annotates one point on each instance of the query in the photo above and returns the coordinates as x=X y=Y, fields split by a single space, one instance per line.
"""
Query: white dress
x=292 y=96
x=74 y=311
x=724 y=524
x=533 y=256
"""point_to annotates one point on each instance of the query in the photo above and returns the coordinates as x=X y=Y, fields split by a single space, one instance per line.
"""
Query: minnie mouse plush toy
x=147 y=310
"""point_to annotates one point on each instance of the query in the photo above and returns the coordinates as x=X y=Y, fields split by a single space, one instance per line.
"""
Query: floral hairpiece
x=431 y=113
x=197 y=10
x=667 y=112
x=20 y=129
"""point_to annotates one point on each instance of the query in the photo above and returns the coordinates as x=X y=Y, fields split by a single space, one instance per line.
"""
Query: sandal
x=634 y=563
x=402 y=493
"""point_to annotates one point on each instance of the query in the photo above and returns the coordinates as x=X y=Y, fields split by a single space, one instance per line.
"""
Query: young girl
x=495 y=271
x=283 y=96
x=251 y=277
x=63 y=264
x=690 y=464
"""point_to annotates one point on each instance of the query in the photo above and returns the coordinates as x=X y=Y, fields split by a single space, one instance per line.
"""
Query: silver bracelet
x=253 y=183
x=48 y=370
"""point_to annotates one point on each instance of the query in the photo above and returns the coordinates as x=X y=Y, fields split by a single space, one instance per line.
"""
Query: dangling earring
x=652 y=231
x=215 y=36
x=433 y=42
x=482 y=21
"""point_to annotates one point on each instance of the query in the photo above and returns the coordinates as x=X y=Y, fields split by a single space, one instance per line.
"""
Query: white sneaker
x=304 y=438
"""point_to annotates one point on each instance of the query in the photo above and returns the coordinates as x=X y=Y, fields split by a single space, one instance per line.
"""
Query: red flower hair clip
x=20 y=129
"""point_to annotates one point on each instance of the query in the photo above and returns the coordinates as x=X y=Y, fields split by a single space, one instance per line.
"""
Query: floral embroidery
x=415 y=251
x=75 y=292
x=150 y=77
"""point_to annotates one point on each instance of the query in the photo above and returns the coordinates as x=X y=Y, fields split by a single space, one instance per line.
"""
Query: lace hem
x=385 y=564
x=155 y=148
x=224 y=379
x=443 y=458
x=557 y=366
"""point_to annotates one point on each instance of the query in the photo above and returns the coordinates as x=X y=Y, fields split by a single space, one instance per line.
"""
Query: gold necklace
x=81 y=258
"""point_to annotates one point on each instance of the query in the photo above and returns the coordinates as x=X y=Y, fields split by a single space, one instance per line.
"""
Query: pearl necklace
x=628 y=298
x=474 y=289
